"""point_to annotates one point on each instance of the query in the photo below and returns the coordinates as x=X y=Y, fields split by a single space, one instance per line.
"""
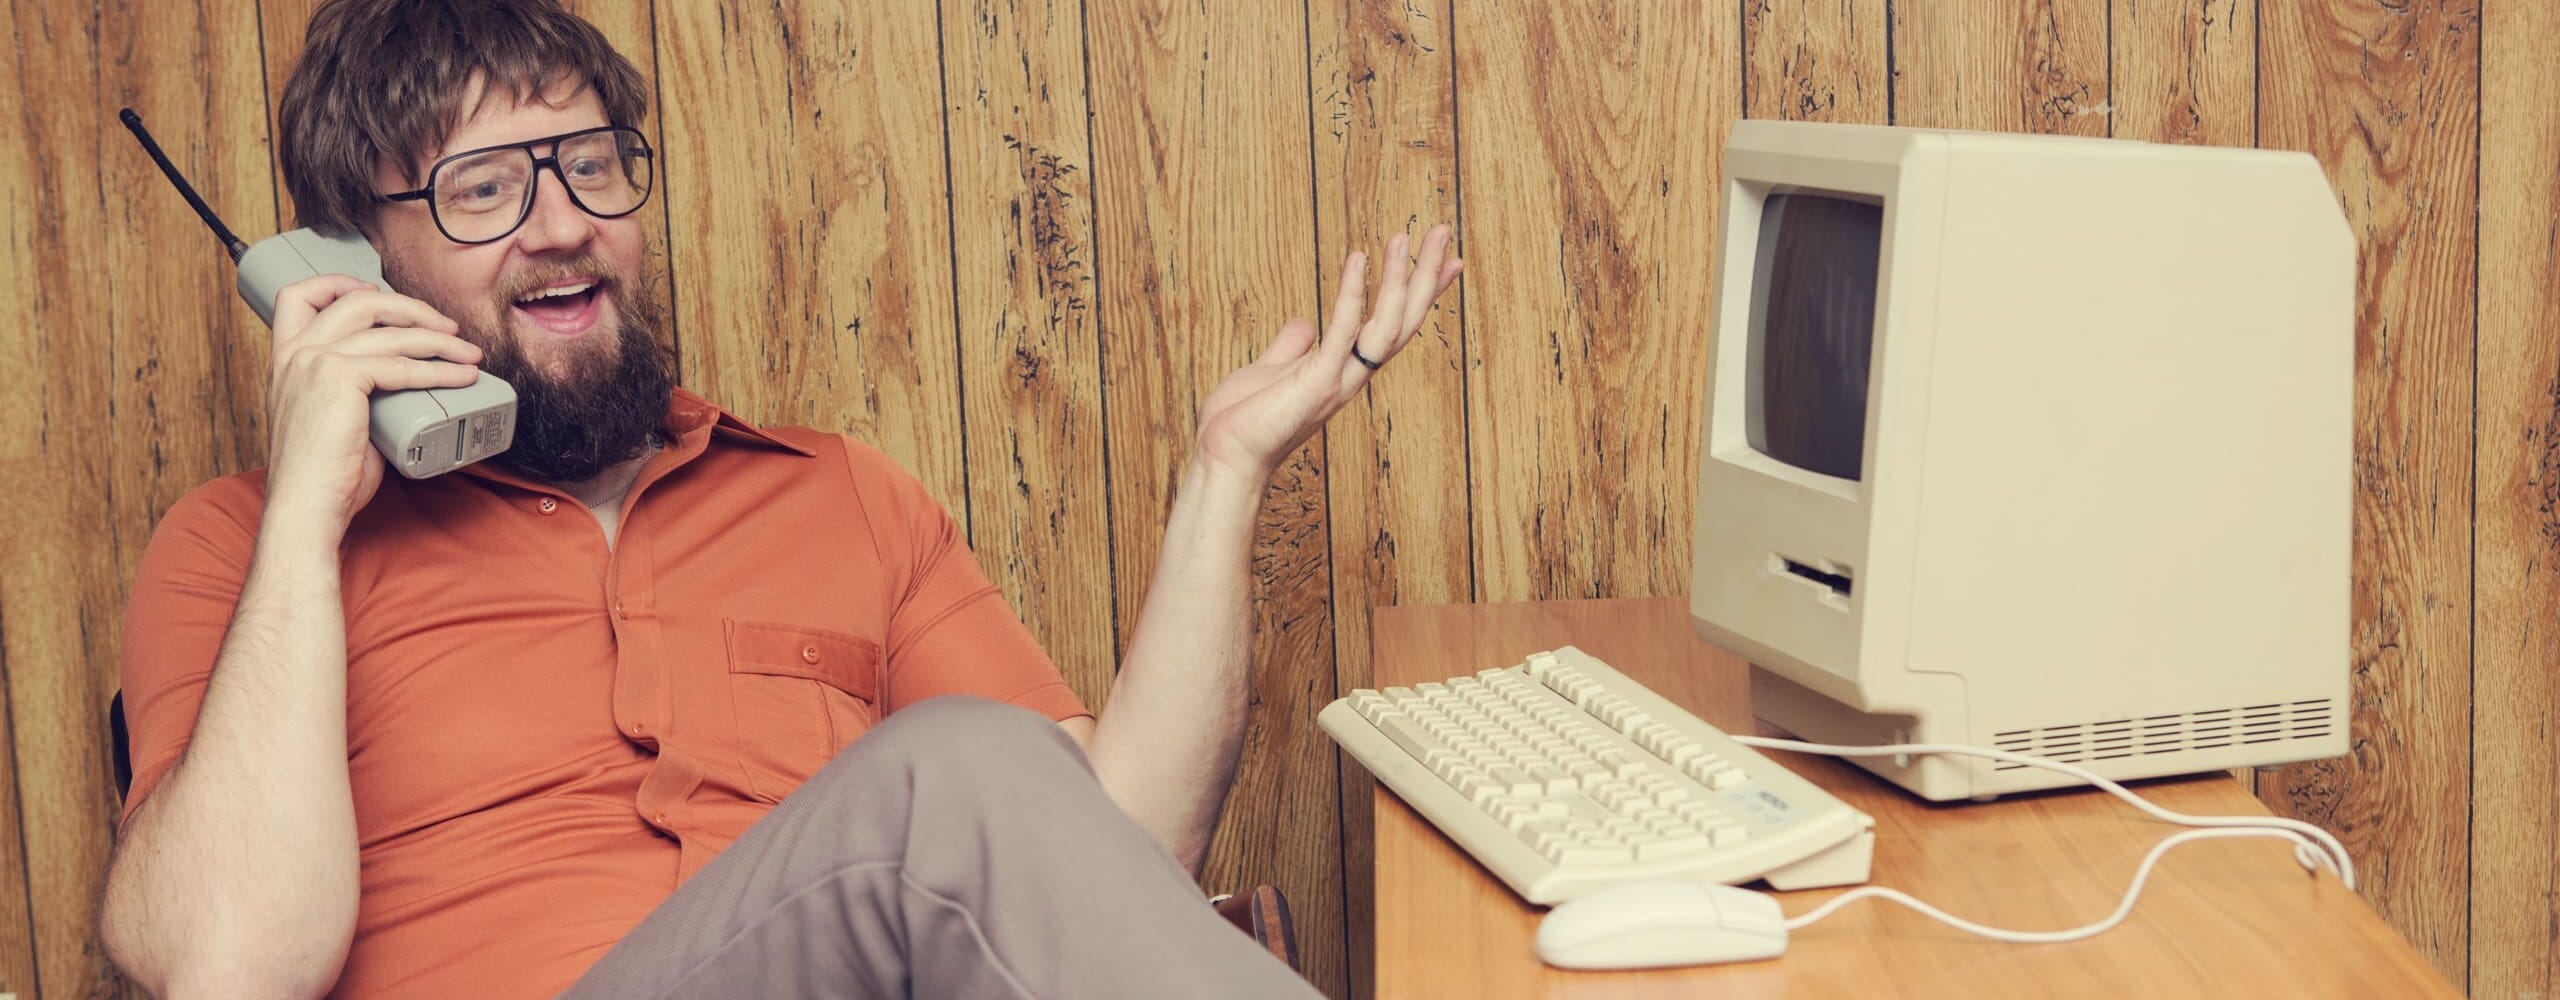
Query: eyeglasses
x=482 y=195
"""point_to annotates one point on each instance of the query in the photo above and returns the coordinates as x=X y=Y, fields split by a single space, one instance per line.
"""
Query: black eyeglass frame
x=639 y=147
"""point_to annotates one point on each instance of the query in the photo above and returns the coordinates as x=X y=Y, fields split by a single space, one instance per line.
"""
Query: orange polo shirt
x=546 y=736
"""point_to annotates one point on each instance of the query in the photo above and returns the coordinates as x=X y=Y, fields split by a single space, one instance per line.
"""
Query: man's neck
x=608 y=488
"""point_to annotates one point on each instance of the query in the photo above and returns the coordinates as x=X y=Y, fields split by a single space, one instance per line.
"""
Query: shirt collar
x=688 y=412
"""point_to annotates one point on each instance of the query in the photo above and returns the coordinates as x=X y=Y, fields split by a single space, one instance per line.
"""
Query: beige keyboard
x=1563 y=776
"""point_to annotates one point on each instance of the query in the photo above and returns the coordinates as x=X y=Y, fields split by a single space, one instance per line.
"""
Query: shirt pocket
x=802 y=695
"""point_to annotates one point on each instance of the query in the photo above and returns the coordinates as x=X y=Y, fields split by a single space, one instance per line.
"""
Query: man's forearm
x=1165 y=747
x=238 y=873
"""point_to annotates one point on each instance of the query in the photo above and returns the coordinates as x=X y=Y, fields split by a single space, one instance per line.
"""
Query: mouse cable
x=2325 y=851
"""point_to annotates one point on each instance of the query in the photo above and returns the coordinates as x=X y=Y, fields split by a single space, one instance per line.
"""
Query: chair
x=123 y=745
x=1263 y=914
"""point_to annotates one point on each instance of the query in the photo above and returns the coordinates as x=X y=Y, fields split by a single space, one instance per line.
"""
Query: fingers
x=298 y=302
x=412 y=373
x=1392 y=292
x=349 y=310
x=1428 y=280
x=1405 y=295
x=410 y=342
x=1346 y=303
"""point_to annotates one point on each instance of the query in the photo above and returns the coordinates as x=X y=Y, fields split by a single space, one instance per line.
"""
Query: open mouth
x=566 y=309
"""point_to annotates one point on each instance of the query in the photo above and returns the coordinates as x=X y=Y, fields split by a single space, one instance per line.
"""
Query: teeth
x=553 y=293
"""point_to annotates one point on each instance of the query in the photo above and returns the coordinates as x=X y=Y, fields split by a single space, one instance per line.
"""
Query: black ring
x=1363 y=358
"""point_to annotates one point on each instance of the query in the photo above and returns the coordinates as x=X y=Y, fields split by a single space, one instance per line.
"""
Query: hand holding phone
x=422 y=430
x=342 y=344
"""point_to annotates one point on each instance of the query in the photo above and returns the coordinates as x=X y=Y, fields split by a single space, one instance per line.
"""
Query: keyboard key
x=1514 y=781
x=1411 y=735
x=1585 y=854
x=1672 y=848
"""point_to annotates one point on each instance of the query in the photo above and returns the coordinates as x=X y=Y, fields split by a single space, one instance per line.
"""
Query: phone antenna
x=230 y=244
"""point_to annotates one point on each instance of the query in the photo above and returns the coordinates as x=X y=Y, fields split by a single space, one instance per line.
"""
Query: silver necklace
x=627 y=484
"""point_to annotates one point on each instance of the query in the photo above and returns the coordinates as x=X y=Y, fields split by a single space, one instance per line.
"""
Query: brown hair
x=386 y=78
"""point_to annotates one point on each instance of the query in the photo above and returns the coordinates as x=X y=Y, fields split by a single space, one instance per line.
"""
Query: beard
x=592 y=408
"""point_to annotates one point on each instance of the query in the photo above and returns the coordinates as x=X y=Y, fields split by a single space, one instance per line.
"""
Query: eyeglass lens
x=483 y=197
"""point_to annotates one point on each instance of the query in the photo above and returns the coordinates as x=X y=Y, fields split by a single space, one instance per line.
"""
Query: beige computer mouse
x=1656 y=923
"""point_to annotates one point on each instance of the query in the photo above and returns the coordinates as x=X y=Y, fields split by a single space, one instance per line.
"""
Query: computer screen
x=1812 y=327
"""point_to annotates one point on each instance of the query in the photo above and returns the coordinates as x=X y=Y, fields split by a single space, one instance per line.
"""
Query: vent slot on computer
x=2151 y=735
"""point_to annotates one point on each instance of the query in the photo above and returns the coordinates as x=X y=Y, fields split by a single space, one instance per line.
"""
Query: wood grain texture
x=1816 y=61
x=1591 y=211
x=809 y=221
x=2229 y=918
x=2386 y=96
x=1204 y=245
x=1386 y=161
x=183 y=380
x=2515 y=807
x=57 y=569
x=2002 y=65
x=1030 y=359
x=2185 y=72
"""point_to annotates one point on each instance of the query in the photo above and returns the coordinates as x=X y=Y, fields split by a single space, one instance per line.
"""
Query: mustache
x=584 y=267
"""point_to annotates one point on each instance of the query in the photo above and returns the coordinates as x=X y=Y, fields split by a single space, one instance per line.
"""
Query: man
x=657 y=703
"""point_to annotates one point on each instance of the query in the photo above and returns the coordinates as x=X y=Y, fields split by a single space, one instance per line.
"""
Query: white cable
x=2328 y=852
x=2038 y=937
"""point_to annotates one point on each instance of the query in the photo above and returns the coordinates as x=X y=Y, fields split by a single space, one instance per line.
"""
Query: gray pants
x=961 y=849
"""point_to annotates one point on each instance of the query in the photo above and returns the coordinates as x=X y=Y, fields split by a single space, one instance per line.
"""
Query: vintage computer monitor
x=2030 y=442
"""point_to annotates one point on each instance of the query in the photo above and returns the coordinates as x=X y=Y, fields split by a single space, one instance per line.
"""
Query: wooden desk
x=2219 y=918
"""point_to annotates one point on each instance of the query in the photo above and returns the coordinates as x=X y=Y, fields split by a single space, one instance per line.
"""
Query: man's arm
x=1165 y=748
x=236 y=875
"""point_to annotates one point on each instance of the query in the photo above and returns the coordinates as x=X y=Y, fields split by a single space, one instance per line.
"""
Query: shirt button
x=617 y=608
x=809 y=654
x=548 y=506
x=660 y=819
x=639 y=729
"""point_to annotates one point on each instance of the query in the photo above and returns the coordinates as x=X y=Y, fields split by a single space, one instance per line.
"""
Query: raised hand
x=1263 y=411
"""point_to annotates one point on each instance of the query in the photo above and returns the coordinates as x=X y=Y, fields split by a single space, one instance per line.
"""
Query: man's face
x=591 y=379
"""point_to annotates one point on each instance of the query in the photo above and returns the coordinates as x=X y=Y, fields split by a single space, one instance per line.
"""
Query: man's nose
x=556 y=222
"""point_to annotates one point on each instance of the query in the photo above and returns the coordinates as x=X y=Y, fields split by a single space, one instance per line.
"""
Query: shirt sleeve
x=183 y=597
x=950 y=630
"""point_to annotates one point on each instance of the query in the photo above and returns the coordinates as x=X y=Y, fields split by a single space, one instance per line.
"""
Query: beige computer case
x=2104 y=516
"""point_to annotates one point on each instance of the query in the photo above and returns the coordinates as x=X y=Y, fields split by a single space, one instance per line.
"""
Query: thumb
x=1293 y=340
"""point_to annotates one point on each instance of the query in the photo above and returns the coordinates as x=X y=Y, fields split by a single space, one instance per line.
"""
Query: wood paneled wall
x=1012 y=241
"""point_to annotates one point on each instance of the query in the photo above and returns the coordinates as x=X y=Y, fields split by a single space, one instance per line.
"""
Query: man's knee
x=962 y=736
